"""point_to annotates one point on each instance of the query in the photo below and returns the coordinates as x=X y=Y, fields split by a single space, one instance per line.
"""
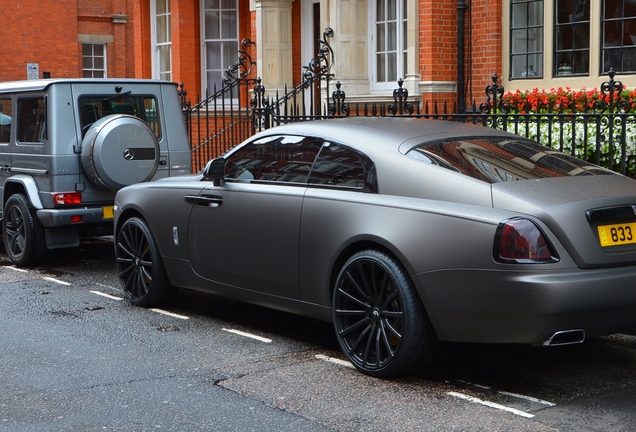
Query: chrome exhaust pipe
x=566 y=337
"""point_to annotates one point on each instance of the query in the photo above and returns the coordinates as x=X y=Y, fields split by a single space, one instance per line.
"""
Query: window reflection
x=336 y=165
x=31 y=120
x=281 y=158
x=497 y=160
x=93 y=108
x=301 y=160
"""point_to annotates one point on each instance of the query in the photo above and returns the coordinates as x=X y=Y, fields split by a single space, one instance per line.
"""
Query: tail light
x=520 y=241
x=67 y=198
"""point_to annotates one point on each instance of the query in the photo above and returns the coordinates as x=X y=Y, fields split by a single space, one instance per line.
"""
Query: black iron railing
x=602 y=132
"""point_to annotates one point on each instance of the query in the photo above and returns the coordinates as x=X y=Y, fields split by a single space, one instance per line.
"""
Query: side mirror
x=215 y=171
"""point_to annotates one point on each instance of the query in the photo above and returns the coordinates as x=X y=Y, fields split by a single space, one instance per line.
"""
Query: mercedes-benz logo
x=129 y=154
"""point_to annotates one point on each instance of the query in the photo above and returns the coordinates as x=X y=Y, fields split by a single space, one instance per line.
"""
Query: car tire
x=380 y=322
x=22 y=232
x=141 y=272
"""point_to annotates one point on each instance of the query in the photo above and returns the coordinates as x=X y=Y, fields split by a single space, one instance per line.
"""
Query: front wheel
x=139 y=266
x=22 y=232
x=379 y=319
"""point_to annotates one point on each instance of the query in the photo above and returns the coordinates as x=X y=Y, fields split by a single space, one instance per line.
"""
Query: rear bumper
x=52 y=218
x=528 y=307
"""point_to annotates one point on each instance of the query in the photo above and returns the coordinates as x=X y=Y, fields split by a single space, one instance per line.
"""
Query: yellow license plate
x=618 y=234
x=108 y=212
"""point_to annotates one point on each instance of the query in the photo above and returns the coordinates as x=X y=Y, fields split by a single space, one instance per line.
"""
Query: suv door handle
x=205 y=200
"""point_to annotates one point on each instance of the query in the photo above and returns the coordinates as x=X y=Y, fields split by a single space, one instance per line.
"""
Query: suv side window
x=278 y=158
x=31 y=119
x=92 y=108
x=6 y=115
x=338 y=165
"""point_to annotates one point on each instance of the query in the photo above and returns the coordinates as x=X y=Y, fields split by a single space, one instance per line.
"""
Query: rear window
x=92 y=108
x=499 y=159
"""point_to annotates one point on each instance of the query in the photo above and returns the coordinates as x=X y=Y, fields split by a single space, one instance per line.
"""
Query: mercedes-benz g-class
x=67 y=146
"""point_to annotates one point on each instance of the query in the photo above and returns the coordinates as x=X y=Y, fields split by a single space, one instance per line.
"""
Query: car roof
x=387 y=133
x=41 y=84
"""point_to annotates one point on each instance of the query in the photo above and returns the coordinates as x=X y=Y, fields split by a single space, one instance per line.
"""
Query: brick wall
x=186 y=51
x=438 y=44
x=438 y=40
x=31 y=31
x=486 y=44
x=46 y=33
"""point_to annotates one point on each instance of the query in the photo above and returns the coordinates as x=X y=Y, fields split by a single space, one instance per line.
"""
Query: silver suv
x=66 y=147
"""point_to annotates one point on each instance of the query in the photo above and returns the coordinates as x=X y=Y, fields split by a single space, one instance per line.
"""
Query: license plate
x=108 y=212
x=618 y=234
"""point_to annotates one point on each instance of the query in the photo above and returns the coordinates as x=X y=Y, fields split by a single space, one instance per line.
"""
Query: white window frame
x=157 y=47
x=204 y=41
x=103 y=70
x=400 y=46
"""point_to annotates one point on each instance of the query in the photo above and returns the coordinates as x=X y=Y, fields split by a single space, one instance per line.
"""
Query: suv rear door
x=6 y=118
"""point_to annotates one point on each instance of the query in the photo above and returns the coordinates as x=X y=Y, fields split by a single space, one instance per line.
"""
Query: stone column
x=349 y=20
x=274 y=43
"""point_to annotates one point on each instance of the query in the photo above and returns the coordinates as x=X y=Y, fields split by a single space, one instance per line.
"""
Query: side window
x=390 y=47
x=340 y=166
x=5 y=119
x=526 y=44
x=220 y=36
x=31 y=119
x=94 y=60
x=572 y=38
x=279 y=158
x=618 y=19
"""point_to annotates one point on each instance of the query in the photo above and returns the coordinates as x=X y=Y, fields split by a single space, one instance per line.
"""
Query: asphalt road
x=74 y=356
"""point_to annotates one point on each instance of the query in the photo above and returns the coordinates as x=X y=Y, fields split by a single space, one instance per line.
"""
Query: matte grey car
x=402 y=232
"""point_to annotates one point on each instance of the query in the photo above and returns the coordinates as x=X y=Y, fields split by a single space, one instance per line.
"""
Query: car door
x=6 y=120
x=245 y=233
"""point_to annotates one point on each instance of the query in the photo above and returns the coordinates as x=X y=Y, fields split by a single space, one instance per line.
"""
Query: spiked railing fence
x=600 y=129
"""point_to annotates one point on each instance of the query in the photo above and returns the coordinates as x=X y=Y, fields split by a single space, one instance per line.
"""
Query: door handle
x=205 y=200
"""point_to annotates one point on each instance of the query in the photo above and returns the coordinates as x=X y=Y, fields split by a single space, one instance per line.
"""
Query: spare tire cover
x=119 y=150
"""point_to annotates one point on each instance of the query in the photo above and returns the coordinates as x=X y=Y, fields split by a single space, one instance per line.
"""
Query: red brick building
x=528 y=43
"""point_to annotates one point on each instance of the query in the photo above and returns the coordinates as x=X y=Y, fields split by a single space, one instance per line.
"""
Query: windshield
x=500 y=159
x=92 y=108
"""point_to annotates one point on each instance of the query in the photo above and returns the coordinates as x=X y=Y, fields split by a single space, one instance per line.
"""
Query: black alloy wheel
x=23 y=234
x=139 y=266
x=379 y=319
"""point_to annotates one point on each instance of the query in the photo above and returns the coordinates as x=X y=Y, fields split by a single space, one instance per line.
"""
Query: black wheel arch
x=12 y=188
x=381 y=246
x=364 y=244
x=127 y=214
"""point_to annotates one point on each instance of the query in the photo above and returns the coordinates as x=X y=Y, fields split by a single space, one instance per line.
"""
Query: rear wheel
x=141 y=272
x=23 y=234
x=379 y=319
